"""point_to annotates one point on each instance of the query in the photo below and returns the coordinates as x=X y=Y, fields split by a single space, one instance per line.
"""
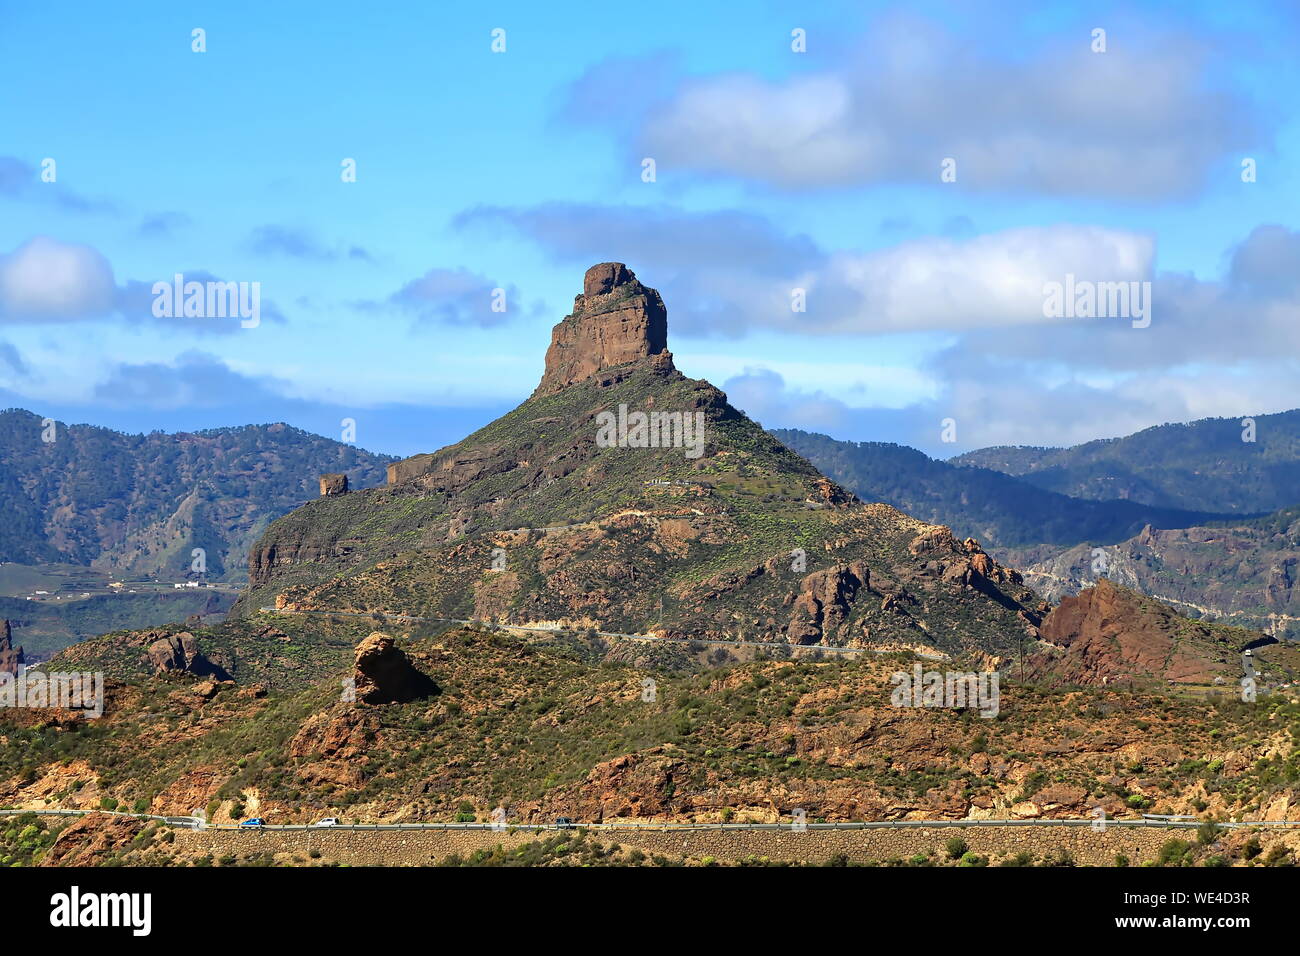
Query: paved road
x=647 y=638
x=197 y=823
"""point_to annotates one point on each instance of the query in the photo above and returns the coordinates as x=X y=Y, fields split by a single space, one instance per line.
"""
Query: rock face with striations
x=10 y=659
x=616 y=320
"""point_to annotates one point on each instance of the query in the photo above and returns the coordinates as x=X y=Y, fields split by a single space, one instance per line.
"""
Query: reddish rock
x=615 y=321
x=1108 y=633
x=825 y=601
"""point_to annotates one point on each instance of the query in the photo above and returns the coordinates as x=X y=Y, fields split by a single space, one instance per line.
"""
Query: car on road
x=327 y=822
x=254 y=822
x=564 y=823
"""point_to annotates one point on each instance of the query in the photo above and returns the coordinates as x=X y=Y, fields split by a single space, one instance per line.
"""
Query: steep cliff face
x=551 y=514
x=1109 y=633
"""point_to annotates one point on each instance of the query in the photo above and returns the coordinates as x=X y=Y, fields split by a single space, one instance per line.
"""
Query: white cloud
x=1142 y=120
x=988 y=281
x=45 y=280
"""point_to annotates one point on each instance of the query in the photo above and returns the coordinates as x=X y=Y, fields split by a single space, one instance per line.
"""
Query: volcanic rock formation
x=616 y=320
x=1109 y=633
x=180 y=652
x=540 y=516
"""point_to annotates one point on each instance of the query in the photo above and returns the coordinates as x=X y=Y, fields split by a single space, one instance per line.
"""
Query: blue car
x=255 y=822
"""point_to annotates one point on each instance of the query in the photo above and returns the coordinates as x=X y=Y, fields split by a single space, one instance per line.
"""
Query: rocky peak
x=1110 y=633
x=615 y=321
x=179 y=652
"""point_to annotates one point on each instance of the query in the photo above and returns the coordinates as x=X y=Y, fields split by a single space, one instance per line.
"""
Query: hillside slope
x=545 y=735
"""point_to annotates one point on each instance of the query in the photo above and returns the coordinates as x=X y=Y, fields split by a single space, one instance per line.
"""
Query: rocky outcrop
x=538 y=517
x=616 y=320
x=333 y=484
x=180 y=653
x=10 y=658
x=384 y=675
x=1108 y=634
x=826 y=600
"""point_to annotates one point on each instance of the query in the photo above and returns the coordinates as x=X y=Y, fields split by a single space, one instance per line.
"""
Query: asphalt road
x=647 y=638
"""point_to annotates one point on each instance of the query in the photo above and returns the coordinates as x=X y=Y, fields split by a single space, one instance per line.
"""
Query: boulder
x=385 y=675
x=333 y=484
x=180 y=653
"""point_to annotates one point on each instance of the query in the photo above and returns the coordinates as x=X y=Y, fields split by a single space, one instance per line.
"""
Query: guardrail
x=198 y=824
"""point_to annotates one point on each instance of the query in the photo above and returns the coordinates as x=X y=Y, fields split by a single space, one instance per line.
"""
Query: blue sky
x=775 y=170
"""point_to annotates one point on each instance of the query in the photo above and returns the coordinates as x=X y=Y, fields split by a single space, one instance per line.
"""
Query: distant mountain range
x=93 y=505
x=137 y=505
x=1200 y=466
x=1002 y=511
x=1127 y=508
